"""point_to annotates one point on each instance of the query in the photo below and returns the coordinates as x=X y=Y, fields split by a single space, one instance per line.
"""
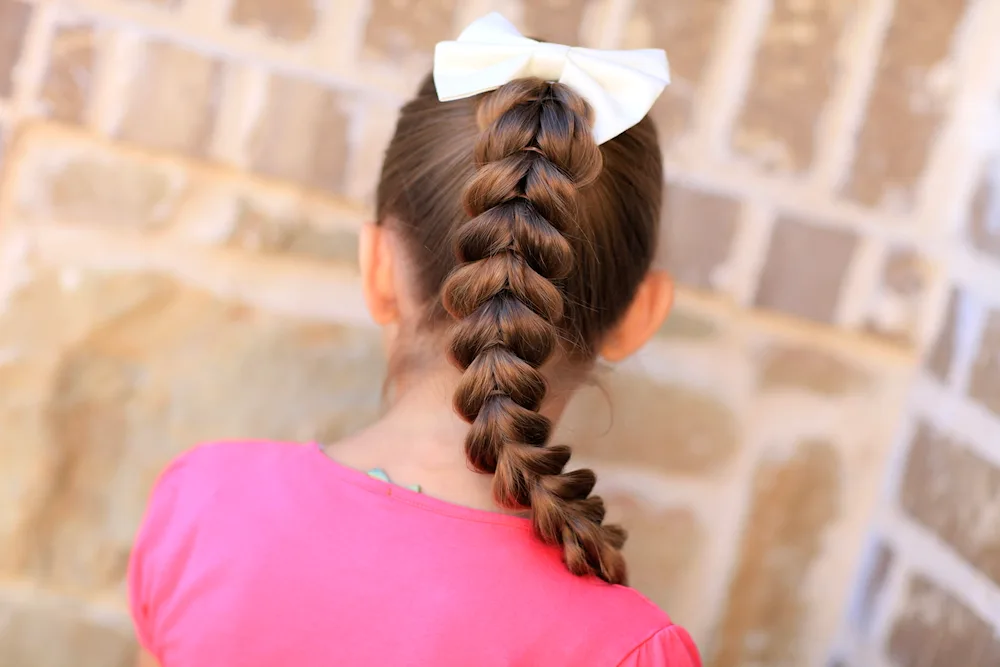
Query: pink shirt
x=265 y=554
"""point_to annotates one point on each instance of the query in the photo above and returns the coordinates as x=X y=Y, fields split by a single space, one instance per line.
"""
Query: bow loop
x=620 y=86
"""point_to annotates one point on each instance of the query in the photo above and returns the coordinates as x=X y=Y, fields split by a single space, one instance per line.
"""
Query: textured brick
x=805 y=269
x=984 y=220
x=83 y=183
x=292 y=20
x=256 y=229
x=906 y=105
x=68 y=77
x=130 y=390
x=956 y=495
x=942 y=354
x=793 y=502
x=555 y=20
x=301 y=135
x=935 y=629
x=661 y=547
x=14 y=17
x=810 y=369
x=688 y=32
x=398 y=28
x=634 y=420
x=173 y=100
x=59 y=633
x=793 y=74
x=699 y=228
x=984 y=384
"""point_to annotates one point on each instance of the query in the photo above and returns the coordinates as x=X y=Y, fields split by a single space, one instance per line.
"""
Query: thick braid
x=535 y=150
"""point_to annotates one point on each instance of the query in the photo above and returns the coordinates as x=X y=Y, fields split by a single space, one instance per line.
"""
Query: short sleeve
x=672 y=646
x=154 y=561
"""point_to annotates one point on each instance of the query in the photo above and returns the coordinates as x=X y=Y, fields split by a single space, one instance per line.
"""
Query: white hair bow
x=620 y=86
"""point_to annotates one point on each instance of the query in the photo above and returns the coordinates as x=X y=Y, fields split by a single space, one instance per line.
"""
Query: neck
x=421 y=440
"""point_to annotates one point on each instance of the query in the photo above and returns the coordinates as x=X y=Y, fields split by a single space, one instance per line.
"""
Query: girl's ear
x=644 y=317
x=376 y=257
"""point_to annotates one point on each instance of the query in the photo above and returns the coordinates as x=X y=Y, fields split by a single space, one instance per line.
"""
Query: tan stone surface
x=810 y=369
x=301 y=135
x=137 y=369
x=14 y=17
x=793 y=502
x=805 y=269
x=935 y=629
x=906 y=104
x=173 y=99
x=689 y=33
x=73 y=181
x=686 y=324
x=662 y=545
x=699 y=228
x=69 y=75
x=397 y=29
x=58 y=633
x=292 y=20
x=794 y=72
x=258 y=230
x=984 y=384
x=956 y=495
x=633 y=419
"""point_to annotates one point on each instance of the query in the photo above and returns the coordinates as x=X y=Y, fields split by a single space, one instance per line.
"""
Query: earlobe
x=375 y=259
x=642 y=319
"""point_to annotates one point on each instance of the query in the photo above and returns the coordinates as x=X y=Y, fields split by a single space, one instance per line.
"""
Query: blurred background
x=808 y=455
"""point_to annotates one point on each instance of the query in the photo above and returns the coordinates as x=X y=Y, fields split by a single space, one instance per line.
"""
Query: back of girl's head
x=528 y=242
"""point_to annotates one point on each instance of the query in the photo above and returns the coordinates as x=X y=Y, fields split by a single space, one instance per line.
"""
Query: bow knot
x=620 y=86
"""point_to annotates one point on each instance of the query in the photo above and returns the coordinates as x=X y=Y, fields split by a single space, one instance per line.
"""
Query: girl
x=515 y=234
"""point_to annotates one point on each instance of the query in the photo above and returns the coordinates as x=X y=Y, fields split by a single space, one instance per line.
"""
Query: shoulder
x=627 y=629
x=221 y=460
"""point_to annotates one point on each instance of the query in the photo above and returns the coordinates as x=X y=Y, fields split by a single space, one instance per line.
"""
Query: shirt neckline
x=421 y=500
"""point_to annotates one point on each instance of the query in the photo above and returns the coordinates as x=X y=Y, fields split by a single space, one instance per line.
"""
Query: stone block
x=984 y=218
x=168 y=368
x=71 y=179
x=635 y=420
x=69 y=73
x=555 y=20
x=301 y=135
x=794 y=72
x=688 y=32
x=955 y=494
x=810 y=369
x=662 y=545
x=984 y=382
x=261 y=231
x=173 y=99
x=399 y=29
x=61 y=633
x=793 y=502
x=907 y=104
x=942 y=354
x=14 y=18
x=935 y=629
x=291 y=20
x=698 y=231
x=805 y=269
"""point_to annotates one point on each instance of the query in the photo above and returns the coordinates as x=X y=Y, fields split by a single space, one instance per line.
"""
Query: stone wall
x=182 y=182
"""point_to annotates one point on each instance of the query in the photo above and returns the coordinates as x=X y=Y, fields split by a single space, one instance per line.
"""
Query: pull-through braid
x=535 y=150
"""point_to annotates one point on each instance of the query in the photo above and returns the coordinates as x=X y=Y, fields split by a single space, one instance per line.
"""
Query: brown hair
x=534 y=239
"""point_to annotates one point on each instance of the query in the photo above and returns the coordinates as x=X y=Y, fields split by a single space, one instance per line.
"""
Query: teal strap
x=381 y=475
